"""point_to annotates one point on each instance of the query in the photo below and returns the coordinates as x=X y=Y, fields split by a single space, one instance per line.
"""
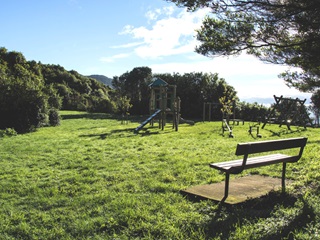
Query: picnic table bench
x=245 y=149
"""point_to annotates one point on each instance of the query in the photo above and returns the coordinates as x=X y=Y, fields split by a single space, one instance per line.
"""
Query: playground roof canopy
x=157 y=82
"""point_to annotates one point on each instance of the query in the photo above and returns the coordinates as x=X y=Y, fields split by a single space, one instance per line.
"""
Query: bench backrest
x=271 y=145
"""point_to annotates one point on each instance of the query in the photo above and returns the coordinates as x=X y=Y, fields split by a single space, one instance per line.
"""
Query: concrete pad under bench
x=240 y=189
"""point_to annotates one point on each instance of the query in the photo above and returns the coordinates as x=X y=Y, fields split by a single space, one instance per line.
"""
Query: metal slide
x=147 y=121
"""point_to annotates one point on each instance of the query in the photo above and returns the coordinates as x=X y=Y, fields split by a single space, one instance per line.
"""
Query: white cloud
x=225 y=66
x=128 y=45
x=249 y=76
x=171 y=32
x=114 y=57
x=154 y=15
x=151 y=15
x=126 y=29
x=171 y=35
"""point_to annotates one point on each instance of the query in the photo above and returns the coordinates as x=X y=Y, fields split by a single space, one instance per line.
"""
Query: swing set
x=288 y=111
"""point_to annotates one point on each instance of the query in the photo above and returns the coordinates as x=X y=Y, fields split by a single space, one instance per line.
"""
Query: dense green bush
x=8 y=132
x=22 y=106
x=101 y=105
x=251 y=111
x=31 y=93
x=54 y=117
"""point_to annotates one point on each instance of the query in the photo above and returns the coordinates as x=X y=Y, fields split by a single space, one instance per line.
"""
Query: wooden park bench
x=245 y=149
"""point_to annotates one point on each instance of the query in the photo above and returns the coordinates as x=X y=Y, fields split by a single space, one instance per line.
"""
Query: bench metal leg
x=226 y=187
x=283 y=183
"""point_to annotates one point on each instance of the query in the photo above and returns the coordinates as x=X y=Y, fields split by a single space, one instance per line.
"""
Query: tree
x=134 y=85
x=251 y=111
x=227 y=104
x=31 y=93
x=196 y=88
x=23 y=105
x=77 y=92
x=315 y=105
x=276 y=31
x=123 y=105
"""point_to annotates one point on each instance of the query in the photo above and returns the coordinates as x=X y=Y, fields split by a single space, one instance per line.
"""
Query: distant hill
x=101 y=78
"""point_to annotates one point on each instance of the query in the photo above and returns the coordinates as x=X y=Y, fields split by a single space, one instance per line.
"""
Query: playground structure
x=209 y=106
x=285 y=111
x=255 y=127
x=290 y=112
x=163 y=102
x=227 y=122
x=226 y=126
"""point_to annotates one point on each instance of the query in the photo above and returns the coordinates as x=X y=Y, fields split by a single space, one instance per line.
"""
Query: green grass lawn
x=93 y=178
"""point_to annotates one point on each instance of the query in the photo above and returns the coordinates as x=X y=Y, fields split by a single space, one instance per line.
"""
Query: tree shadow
x=283 y=131
x=88 y=115
x=227 y=218
x=145 y=132
x=101 y=116
x=118 y=133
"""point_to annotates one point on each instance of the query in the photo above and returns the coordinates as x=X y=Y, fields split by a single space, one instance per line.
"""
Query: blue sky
x=111 y=37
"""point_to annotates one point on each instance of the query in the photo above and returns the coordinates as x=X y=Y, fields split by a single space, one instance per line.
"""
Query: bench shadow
x=313 y=142
x=228 y=217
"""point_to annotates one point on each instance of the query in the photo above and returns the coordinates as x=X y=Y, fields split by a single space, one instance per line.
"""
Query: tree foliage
x=134 y=85
x=192 y=88
x=251 y=111
x=31 y=93
x=23 y=105
x=315 y=106
x=196 y=88
x=77 y=91
x=124 y=105
x=277 y=31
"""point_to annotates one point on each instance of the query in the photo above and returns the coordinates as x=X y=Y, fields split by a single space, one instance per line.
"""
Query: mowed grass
x=93 y=178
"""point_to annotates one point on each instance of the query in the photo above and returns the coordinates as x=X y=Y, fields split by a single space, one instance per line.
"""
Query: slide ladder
x=147 y=121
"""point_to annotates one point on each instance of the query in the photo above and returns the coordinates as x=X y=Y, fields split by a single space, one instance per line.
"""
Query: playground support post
x=208 y=105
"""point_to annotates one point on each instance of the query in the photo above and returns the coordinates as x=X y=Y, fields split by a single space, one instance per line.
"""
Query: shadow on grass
x=227 y=218
x=314 y=141
x=101 y=116
x=120 y=133
x=117 y=133
x=283 y=131
x=88 y=115
x=146 y=132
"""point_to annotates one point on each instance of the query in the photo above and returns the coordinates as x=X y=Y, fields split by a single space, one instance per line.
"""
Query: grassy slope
x=92 y=177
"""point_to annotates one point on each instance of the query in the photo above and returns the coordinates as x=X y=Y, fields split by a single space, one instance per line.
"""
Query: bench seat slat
x=234 y=165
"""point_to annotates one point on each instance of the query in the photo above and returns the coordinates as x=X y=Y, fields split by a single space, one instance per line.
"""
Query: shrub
x=54 y=117
x=8 y=132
